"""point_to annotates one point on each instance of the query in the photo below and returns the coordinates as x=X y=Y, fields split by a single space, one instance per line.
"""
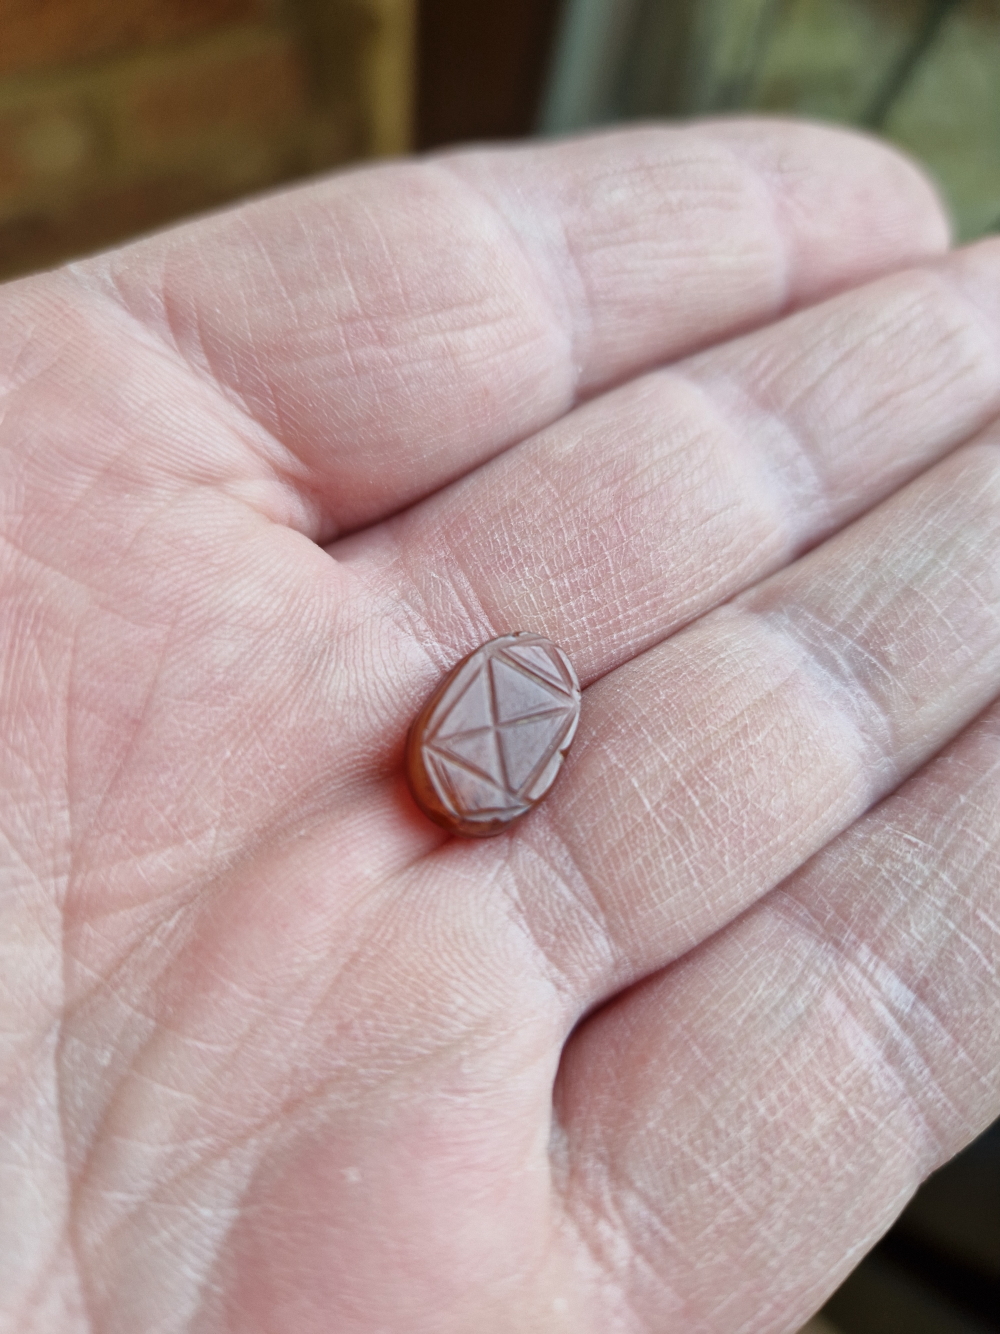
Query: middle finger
x=641 y=510
x=716 y=764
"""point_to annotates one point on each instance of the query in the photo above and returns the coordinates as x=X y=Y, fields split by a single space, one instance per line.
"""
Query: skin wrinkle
x=138 y=1022
x=24 y=634
x=974 y=589
x=567 y=325
x=30 y=1074
x=34 y=1301
x=938 y=305
x=617 y=1190
x=40 y=1046
x=453 y=339
x=281 y=816
x=389 y=266
x=506 y=882
x=200 y=362
x=831 y=655
x=975 y=298
x=30 y=796
x=257 y=1133
x=806 y=495
x=101 y=277
x=65 y=577
x=593 y=1240
x=198 y=1165
x=98 y=829
x=957 y=376
x=462 y=576
x=139 y=720
x=781 y=258
x=65 y=1227
x=930 y=852
x=663 y=480
x=200 y=1218
x=581 y=898
x=756 y=396
x=14 y=890
x=921 y=1141
x=264 y=446
x=63 y=1095
x=716 y=1169
x=189 y=906
x=845 y=356
x=166 y=965
x=647 y=731
x=96 y=480
x=34 y=353
x=457 y=557
x=781 y=202
x=635 y=1216
x=442 y=644
x=876 y=981
x=680 y=856
x=155 y=1035
x=744 y=177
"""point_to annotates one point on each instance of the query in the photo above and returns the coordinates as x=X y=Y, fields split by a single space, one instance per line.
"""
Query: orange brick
x=256 y=83
x=44 y=142
x=110 y=214
x=196 y=106
x=35 y=34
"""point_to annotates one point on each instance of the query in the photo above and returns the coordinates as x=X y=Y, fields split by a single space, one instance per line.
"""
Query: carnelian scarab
x=488 y=744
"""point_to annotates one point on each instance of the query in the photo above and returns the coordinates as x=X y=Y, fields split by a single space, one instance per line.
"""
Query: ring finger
x=654 y=502
x=715 y=764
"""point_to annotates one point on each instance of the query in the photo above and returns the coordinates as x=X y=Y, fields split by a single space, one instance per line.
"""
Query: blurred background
x=119 y=116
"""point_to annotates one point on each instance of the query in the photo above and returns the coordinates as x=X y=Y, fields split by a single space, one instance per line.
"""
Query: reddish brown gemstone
x=488 y=744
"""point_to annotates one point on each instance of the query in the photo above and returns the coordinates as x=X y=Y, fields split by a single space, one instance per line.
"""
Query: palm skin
x=275 y=1053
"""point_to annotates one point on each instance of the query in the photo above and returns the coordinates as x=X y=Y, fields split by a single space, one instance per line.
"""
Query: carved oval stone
x=490 y=741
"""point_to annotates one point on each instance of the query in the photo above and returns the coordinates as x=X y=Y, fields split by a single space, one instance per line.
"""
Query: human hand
x=279 y=1056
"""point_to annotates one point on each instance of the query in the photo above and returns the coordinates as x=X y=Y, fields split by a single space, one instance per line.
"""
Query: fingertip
x=848 y=205
x=975 y=269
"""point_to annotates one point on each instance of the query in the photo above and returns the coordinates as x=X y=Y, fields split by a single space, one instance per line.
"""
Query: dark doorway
x=481 y=68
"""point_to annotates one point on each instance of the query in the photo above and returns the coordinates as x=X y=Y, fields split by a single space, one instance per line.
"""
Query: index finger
x=395 y=327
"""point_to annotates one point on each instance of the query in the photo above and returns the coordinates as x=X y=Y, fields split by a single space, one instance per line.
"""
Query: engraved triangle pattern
x=495 y=741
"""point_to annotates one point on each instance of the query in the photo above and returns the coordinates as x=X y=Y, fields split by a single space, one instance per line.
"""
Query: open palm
x=710 y=408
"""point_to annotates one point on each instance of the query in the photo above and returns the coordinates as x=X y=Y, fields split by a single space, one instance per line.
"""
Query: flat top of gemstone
x=491 y=739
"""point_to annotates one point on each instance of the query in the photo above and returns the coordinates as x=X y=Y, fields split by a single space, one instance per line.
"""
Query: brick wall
x=120 y=115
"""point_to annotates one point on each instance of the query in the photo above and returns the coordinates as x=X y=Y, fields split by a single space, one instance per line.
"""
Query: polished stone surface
x=489 y=743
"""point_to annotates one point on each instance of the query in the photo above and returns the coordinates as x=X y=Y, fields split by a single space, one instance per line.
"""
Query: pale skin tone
x=713 y=409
